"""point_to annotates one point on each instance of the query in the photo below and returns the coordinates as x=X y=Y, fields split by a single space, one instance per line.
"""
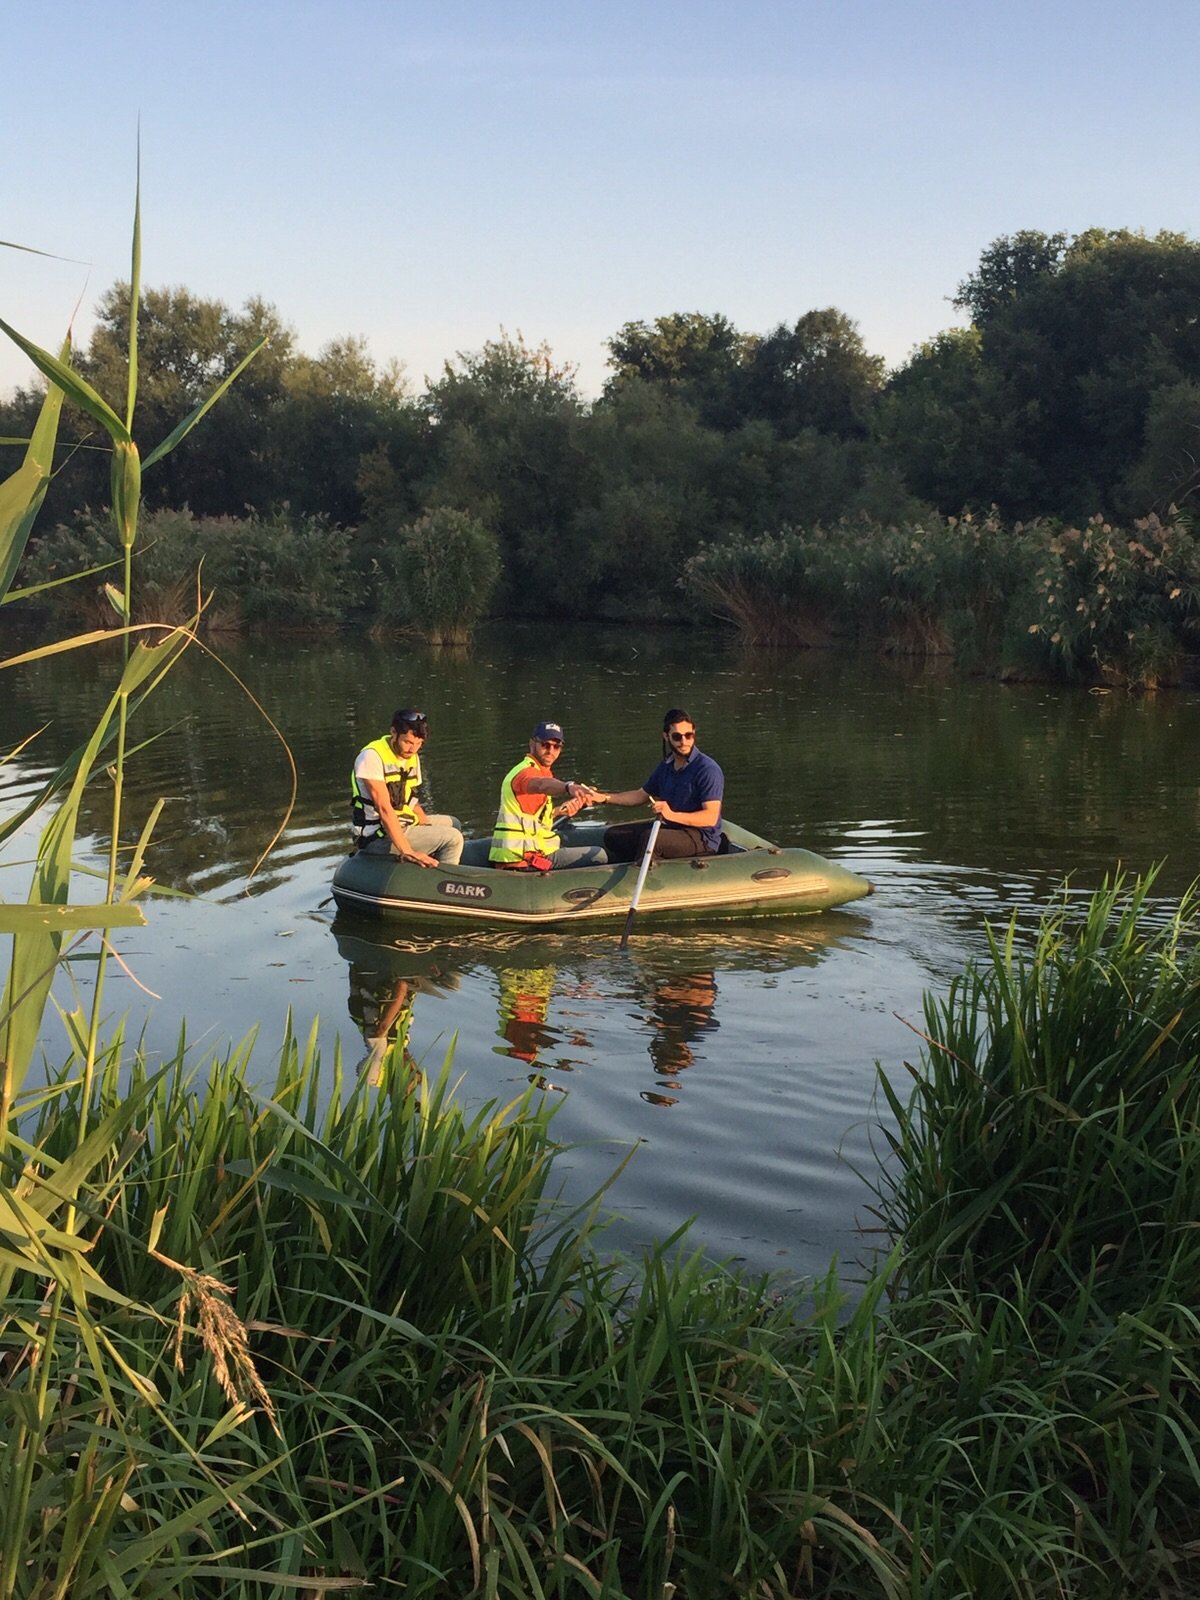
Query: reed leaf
x=56 y=583
x=21 y=495
x=35 y=955
x=73 y=386
x=135 y=293
x=33 y=917
x=7 y=244
x=185 y=427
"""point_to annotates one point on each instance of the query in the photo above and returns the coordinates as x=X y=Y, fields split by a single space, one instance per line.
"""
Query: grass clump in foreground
x=435 y=1384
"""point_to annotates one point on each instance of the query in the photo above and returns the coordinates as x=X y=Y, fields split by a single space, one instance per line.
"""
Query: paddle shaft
x=641 y=878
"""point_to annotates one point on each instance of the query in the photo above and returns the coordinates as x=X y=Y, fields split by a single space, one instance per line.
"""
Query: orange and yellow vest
x=516 y=831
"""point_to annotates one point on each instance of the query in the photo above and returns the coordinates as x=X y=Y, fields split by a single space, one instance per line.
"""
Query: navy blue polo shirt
x=688 y=788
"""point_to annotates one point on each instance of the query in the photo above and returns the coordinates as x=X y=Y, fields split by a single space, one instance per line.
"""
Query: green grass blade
x=35 y=954
x=75 y=387
x=55 y=583
x=190 y=421
x=135 y=293
x=22 y=494
x=33 y=917
x=68 y=769
x=47 y=255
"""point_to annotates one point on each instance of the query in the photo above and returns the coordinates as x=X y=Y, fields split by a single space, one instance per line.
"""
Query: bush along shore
x=1096 y=602
x=331 y=1337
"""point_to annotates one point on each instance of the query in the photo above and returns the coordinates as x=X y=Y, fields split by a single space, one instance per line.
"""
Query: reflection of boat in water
x=385 y=979
x=756 y=878
x=554 y=991
x=383 y=991
x=435 y=964
x=427 y=967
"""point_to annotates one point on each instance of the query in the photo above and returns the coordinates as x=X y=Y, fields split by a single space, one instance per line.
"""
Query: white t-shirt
x=369 y=764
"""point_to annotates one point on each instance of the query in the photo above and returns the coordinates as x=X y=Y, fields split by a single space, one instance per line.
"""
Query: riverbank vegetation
x=1071 y=401
x=1091 y=602
x=340 y=1336
x=332 y=1334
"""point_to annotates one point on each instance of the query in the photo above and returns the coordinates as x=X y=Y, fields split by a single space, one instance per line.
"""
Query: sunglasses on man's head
x=677 y=736
x=554 y=744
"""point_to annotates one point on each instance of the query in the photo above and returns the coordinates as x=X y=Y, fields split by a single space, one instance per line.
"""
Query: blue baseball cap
x=548 y=730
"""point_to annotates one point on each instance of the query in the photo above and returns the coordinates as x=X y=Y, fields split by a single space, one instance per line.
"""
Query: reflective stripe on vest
x=516 y=831
x=402 y=774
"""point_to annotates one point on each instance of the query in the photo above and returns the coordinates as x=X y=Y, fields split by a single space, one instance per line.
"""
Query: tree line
x=1074 y=391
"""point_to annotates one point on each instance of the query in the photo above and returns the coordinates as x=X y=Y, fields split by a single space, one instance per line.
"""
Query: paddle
x=641 y=878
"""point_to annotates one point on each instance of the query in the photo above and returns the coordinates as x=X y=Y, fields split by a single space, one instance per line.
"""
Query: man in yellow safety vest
x=524 y=836
x=386 y=818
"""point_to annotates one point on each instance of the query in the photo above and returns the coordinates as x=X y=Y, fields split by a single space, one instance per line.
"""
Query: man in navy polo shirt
x=685 y=790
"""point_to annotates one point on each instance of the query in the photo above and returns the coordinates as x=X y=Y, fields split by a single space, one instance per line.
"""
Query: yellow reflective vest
x=402 y=774
x=516 y=831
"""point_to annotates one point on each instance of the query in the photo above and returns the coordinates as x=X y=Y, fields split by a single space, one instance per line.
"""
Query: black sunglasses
x=414 y=719
x=548 y=743
x=678 y=737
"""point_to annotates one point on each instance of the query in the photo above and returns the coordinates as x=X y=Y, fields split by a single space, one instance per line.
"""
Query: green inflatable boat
x=750 y=878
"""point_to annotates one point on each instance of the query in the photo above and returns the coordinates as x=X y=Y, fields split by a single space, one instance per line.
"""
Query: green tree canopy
x=694 y=355
x=815 y=374
x=344 y=369
x=505 y=425
x=293 y=431
x=337 y=409
x=1009 y=268
x=1048 y=412
x=934 y=423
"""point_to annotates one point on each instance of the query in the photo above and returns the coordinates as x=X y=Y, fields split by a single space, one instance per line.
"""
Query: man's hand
x=579 y=796
x=576 y=803
x=418 y=858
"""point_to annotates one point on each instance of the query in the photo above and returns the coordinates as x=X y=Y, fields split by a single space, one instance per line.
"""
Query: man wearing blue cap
x=524 y=838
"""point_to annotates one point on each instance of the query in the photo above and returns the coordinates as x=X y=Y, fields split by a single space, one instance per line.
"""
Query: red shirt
x=530 y=804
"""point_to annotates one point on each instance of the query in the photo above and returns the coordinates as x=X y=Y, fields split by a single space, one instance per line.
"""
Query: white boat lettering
x=464 y=891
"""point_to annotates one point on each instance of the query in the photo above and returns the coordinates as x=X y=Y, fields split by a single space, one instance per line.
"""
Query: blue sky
x=423 y=172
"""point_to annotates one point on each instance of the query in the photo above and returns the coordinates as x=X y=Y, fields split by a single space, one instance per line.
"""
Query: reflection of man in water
x=524 y=1005
x=681 y=1012
x=381 y=1005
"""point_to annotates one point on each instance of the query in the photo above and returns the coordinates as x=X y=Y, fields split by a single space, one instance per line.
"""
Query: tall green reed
x=1053 y=1137
x=20 y=499
x=482 y=1401
x=1042 y=1184
x=44 y=1202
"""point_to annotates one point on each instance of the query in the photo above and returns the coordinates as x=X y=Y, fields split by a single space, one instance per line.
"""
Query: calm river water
x=739 y=1062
